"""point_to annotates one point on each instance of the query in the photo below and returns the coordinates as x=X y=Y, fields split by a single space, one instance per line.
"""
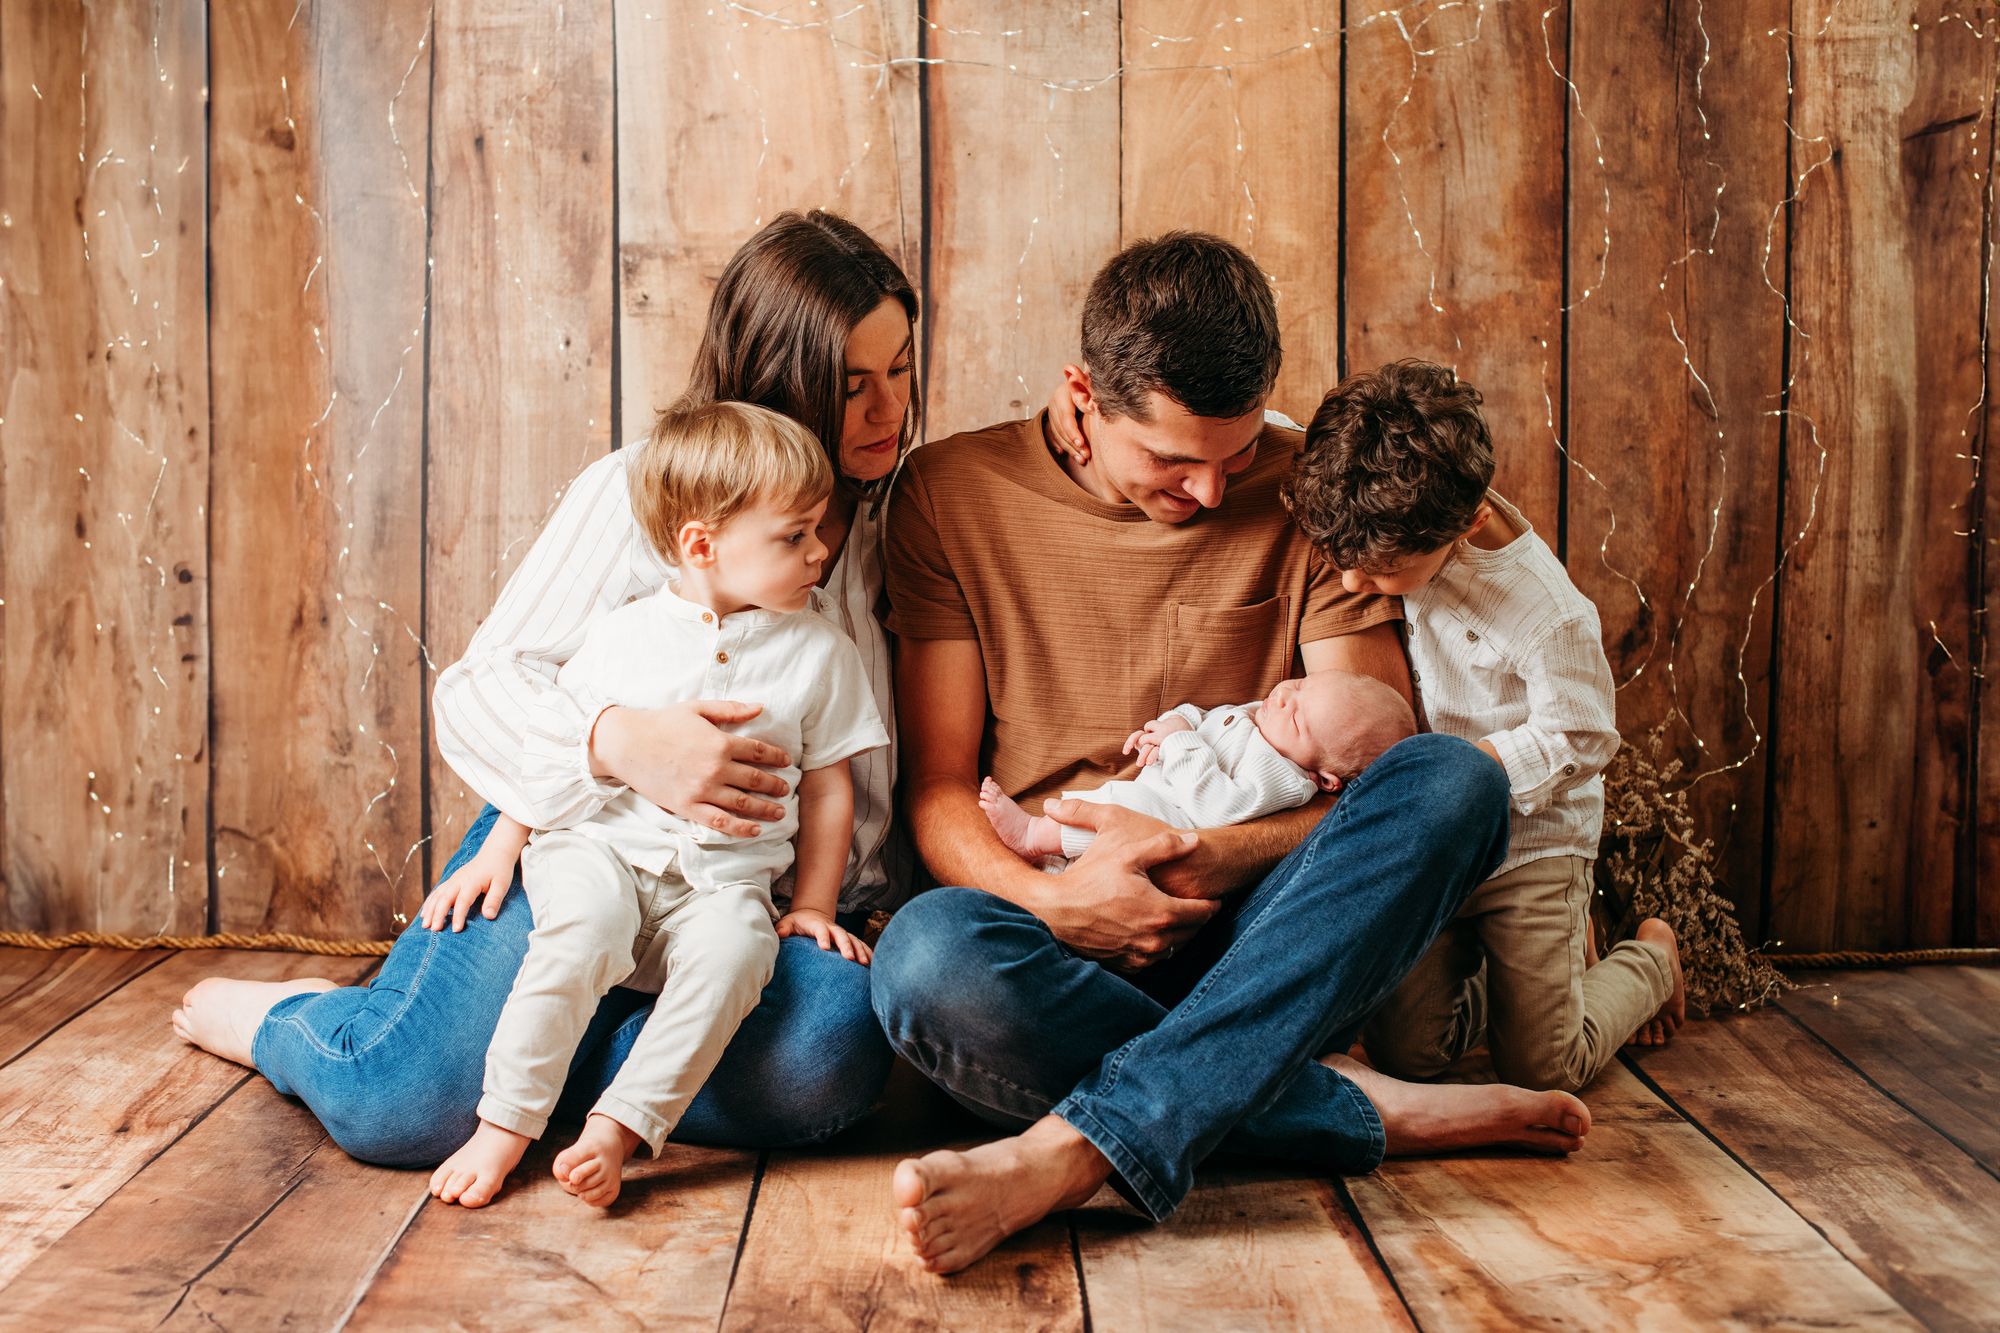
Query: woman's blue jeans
x=393 y=1069
x=978 y=994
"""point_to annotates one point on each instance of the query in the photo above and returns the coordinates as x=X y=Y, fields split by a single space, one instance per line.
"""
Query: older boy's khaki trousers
x=598 y=922
x=1548 y=1021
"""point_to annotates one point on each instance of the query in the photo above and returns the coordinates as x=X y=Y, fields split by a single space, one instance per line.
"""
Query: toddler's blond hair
x=710 y=461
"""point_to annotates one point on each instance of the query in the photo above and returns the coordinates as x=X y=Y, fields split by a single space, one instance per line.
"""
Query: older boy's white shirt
x=662 y=650
x=590 y=559
x=1225 y=771
x=1506 y=650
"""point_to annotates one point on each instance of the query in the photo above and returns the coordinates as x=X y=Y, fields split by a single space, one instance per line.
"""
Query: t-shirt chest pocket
x=1225 y=654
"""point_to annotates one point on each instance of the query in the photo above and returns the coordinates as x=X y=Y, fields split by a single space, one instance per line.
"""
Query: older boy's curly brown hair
x=1395 y=465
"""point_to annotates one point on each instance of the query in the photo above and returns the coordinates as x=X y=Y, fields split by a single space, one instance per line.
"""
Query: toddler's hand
x=829 y=933
x=481 y=877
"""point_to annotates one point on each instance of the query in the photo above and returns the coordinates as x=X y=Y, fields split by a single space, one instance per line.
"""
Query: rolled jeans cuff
x=512 y=1118
x=1378 y=1136
x=1130 y=1176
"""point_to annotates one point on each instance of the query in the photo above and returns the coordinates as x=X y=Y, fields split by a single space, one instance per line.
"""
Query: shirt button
x=1568 y=769
x=1227 y=720
x=1415 y=675
x=708 y=617
x=1471 y=637
x=722 y=657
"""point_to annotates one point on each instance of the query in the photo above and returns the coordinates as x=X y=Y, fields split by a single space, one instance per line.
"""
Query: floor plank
x=1650 y=1225
x=823 y=1250
x=1929 y=1036
x=537 y=1258
x=82 y=1112
x=41 y=989
x=1253 y=1247
x=1905 y=1204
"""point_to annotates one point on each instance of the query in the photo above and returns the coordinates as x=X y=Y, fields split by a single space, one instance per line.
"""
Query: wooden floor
x=1833 y=1163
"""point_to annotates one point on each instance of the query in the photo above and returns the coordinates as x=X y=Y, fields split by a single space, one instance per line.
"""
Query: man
x=1045 y=607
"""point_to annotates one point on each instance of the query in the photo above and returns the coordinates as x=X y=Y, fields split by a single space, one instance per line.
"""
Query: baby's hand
x=481 y=877
x=827 y=931
x=1148 y=739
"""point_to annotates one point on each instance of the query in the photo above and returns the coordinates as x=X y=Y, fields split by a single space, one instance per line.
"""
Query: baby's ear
x=1326 y=781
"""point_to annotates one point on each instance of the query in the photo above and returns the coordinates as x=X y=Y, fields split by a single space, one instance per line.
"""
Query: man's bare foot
x=956 y=1206
x=1423 y=1118
x=221 y=1015
x=1024 y=834
x=473 y=1175
x=593 y=1167
x=1660 y=1028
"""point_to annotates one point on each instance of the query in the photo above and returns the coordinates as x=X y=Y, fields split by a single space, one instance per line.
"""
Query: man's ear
x=1326 y=781
x=696 y=542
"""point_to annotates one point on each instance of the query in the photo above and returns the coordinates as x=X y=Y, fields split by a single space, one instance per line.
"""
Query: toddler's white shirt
x=661 y=650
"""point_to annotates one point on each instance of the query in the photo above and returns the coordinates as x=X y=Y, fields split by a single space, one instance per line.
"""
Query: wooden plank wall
x=289 y=380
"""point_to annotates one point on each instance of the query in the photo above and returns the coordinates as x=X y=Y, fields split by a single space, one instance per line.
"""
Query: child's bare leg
x=593 y=1167
x=1660 y=1028
x=221 y=1015
x=1032 y=836
x=473 y=1175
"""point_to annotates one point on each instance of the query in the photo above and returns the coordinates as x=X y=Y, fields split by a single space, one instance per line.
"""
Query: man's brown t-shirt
x=1090 y=617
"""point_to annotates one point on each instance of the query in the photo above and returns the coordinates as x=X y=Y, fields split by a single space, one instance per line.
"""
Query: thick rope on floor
x=1892 y=958
x=91 y=939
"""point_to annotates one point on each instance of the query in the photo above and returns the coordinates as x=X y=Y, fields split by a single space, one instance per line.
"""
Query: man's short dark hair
x=1395 y=465
x=1187 y=314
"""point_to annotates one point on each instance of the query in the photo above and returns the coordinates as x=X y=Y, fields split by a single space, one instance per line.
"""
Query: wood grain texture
x=1675 y=357
x=1022 y=124
x=1253 y=1247
x=1871 y=722
x=1629 y=1232
x=1250 y=153
x=521 y=306
x=316 y=322
x=659 y=1258
x=1454 y=169
x=40 y=990
x=86 y=1109
x=1978 y=902
x=1907 y=1206
x=729 y=116
x=105 y=470
x=253 y=1219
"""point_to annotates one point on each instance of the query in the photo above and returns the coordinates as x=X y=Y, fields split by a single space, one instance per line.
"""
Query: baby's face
x=1303 y=719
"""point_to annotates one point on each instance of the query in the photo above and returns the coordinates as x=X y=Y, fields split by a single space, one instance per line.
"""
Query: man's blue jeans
x=393 y=1070
x=978 y=994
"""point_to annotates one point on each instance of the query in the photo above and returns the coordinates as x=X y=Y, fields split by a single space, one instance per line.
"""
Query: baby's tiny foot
x=472 y=1176
x=1023 y=834
x=593 y=1167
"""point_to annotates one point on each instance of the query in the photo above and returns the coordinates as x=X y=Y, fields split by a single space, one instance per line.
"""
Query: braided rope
x=1893 y=958
x=91 y=939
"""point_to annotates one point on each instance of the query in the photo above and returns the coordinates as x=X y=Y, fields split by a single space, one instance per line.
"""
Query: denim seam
x=382 y=1030
x=931 y=1051
x=1122 y=1161
x=1378 y=1134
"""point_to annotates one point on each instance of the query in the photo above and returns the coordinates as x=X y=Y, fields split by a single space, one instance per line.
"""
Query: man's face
x=1173 y=465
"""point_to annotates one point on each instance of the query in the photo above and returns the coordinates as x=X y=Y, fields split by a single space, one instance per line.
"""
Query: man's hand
x=1106 y=904
x=1193 y=874
x=1148 y=739
x=678 y=758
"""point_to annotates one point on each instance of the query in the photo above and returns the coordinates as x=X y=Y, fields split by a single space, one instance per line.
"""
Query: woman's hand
x=678 y=758
x=1064 y=432
x=830 y=934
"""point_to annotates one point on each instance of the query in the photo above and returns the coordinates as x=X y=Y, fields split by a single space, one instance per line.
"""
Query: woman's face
x=878 y=392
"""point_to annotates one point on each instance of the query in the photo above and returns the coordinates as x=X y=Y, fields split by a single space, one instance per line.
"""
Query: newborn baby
x=1230 y=764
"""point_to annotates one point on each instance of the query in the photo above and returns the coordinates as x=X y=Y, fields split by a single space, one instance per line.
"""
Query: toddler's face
x=770 y=555
x=1405 y=576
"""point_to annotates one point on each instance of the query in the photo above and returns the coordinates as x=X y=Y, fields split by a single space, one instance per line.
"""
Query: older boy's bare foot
x=956 y=1206
x=473 y=1175
x=1660 y=1028
x=1023 y=834
x=1440 y=1117
x=221 y=1015
x=593 y=1167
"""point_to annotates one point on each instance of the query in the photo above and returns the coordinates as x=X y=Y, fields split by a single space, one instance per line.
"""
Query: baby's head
x=1393 y=474
x=1334 y=723
x=733 y=495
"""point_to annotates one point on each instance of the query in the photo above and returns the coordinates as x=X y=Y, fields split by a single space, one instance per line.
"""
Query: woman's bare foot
x=1024 y=834
x=1660 y=1028
x=593 y=1167
x=1440 y=1117
x=473 y=1175
x=956 y=1206
x=221 y=1015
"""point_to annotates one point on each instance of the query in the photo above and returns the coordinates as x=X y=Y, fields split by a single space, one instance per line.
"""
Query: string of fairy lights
x=1433 y=35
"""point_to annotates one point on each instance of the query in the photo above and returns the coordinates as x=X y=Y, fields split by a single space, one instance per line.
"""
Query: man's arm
x=1103 y=906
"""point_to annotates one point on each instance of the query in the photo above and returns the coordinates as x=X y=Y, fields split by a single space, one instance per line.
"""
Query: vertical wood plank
x=1979 y=905
x=317 y=180
x=1675 y=361
x=1022 y=128
x=104 y=474
x=1233 y=127
x=1873 y=696
x=521 y=307
x=1454 y=167
x=728 y=116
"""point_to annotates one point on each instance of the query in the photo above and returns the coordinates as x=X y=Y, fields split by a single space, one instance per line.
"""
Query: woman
x=811 y=318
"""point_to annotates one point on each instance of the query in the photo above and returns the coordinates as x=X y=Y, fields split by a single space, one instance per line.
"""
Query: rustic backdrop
x=312 y=309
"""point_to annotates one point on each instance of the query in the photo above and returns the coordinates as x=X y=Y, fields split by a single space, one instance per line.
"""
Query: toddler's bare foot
x=956 y=1206
x=1024 y=834
x=1439 y=1117
x=1660 y=1028
x=593 y=1167
x=221 y=1015
x=473 y=1175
